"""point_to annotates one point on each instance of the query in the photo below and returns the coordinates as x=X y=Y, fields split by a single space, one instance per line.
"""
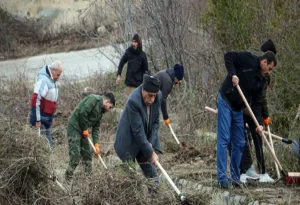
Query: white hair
x=55 y=65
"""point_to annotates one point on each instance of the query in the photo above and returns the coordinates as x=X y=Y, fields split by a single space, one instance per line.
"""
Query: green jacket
x=88 y=115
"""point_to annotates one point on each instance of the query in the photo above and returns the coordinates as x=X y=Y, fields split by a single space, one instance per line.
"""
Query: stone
x=101 y=30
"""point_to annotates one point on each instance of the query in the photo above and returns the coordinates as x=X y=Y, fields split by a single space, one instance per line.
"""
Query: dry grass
x=27 y=162
x=25 y=176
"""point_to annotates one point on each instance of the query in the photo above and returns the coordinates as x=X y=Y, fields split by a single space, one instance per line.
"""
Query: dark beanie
x=151 y=84
x=268 y=46
x=137 y=39
x=179 y=71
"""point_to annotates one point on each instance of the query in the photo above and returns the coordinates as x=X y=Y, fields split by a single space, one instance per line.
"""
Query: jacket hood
x=45 y=72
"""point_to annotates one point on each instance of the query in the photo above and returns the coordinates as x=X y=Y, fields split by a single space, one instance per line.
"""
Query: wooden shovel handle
x=257 y=125
x=172 y=131
x=182 y=198
x=271 y=142
x=94 y=149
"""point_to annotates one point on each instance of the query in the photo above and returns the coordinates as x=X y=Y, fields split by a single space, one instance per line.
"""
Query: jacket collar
x=171 y=73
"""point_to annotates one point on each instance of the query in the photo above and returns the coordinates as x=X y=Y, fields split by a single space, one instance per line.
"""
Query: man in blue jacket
x=247 y=71
x=137 y=133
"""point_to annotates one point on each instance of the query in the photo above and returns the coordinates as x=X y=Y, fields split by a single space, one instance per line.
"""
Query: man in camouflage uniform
x=86 y=115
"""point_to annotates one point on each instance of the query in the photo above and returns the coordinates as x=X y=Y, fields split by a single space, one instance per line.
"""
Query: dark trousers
x=257 y=140
x=79 y=148
x=147 y=167
x=246 y=161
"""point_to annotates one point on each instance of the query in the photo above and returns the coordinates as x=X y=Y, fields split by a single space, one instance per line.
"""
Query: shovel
x=98 y=155
x=53 y=178
x=271 y=142
x=179 y=194
x=285 y=140
x=295 y=145
x=211 y=110
x=172 y=131
x=262 y=134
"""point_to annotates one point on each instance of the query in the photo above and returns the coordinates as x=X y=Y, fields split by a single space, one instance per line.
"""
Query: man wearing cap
x=168 y=79
x=137 y=66
x=137 y=133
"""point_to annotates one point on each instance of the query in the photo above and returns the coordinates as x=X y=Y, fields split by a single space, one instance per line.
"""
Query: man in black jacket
x=137 y=66
x=248 y=71
x=168 y=79
x=247 y=168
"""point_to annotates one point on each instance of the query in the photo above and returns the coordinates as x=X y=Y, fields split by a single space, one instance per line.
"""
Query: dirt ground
x=192 y=166
x=197 y=166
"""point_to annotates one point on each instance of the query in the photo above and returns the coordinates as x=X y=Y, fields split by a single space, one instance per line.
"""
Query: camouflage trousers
x=79 y=148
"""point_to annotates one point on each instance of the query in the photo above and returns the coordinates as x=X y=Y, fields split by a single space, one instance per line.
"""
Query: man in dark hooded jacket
x=168 y=79
x=137 y=133
x=137 y=66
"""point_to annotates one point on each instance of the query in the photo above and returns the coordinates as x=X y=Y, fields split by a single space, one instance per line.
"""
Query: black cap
x=151 y=84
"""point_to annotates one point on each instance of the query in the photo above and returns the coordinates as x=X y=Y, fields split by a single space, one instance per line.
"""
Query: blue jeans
x=230 y=130
x=46 y=123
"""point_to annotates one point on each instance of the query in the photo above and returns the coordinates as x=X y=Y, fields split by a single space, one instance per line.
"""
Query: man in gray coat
x=137 y=133
x=168 y=79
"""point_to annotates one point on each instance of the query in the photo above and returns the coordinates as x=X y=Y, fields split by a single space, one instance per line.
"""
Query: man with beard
x=86 y=115
x=247 y=167
x=136 y=68
x=168 y=79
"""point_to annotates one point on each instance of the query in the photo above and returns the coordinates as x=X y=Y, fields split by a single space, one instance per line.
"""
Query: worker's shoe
x=237 y=185
x=243 y=178
x=251 y=173
x=224 y=185
x=266 y=178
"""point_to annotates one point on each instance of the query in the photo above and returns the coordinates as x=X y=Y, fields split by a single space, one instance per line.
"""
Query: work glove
x=85 y=134
x=267 y=121
x=97 y=149
x=167 y=122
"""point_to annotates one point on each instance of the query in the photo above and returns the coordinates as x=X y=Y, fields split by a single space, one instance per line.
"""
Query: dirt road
x=76 y=63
